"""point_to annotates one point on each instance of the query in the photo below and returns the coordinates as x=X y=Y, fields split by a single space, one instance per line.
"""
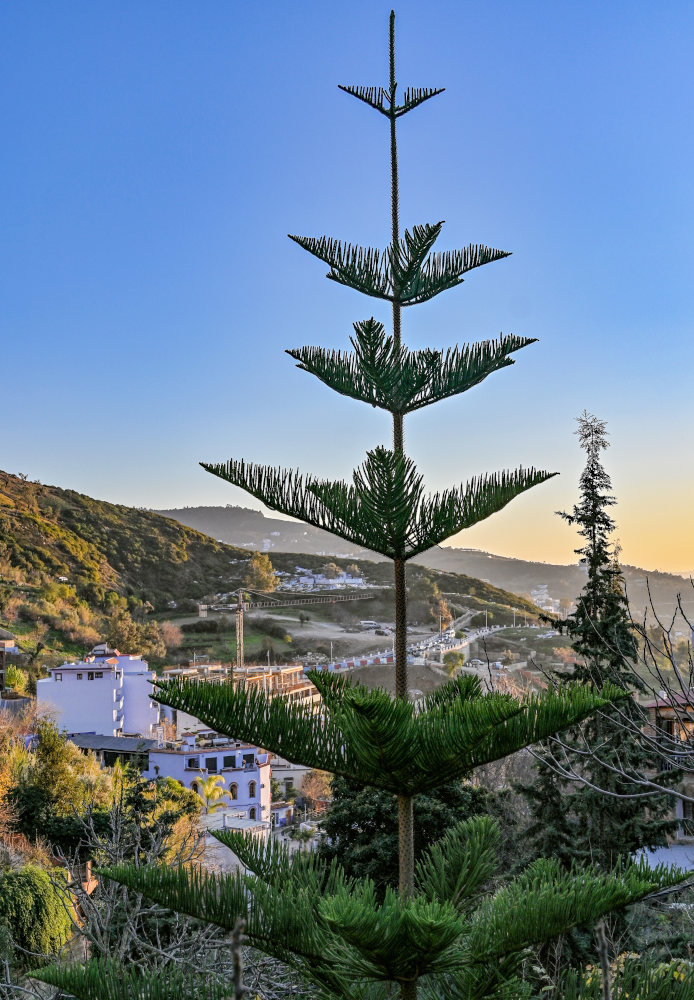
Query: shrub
x=31 y=908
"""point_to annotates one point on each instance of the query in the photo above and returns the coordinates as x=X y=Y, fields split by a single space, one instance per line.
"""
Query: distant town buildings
x=308 y=580
x=541 y=598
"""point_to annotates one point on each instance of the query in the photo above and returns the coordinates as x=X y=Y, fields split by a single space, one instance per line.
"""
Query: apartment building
x=107 y=692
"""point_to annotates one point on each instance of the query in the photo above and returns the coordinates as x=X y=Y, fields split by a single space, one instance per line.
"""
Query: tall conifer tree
x=614 y=816
x=610 y=816
x=437 y=928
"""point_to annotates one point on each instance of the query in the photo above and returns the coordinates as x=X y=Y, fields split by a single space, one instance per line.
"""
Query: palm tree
x=211 y=792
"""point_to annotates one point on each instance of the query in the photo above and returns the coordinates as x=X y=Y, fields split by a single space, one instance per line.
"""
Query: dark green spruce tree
x=613 y=814
x=439 y=934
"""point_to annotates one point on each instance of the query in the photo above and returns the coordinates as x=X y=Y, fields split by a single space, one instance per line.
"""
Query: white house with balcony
x=107 y=693
x=245 y=769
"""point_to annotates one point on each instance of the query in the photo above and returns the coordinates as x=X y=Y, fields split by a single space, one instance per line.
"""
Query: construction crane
x=241 y=607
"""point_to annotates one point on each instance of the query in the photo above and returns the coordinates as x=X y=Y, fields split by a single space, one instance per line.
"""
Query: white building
x=245 y=769
x=308 y=579
x=108 y=693
x=290 y=776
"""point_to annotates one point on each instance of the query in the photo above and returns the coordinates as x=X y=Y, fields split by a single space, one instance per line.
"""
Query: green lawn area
x=222 y=645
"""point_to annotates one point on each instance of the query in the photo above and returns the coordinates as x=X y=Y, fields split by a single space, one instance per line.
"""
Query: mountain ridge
x=249 y=528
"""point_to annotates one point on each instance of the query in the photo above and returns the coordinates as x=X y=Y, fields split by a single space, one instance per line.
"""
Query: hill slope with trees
x=252 y=529
x=47 y=533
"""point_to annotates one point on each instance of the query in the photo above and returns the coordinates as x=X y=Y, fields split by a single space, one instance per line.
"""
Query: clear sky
x=156 y=155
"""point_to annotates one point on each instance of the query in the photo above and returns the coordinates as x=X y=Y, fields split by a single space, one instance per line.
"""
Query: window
x=688 y=819
x=233 y=790
x=194 y=786
x=194 y=763
x=251 y=813
x=211 y=764
x=248 y=758
x=99 y=673
x=251 y=789
x=79 y=677
x=58 y=677
x=90 y=675
x=230 y=760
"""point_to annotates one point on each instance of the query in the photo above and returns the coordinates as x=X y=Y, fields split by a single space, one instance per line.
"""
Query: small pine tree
x=438 y=926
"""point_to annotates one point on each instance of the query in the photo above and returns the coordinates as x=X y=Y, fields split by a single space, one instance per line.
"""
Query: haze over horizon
x=156 y=157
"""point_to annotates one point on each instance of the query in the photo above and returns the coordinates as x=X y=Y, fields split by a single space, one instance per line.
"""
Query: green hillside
x=75 y=571
x=47 y=533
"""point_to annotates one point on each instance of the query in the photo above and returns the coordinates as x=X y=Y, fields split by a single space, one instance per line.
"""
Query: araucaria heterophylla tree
x=443 y=933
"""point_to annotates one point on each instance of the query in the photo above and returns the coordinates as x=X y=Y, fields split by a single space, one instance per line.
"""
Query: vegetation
x=316 y=786
x=125 y=569
x=606 y=816
x=32 y=913
x=56 y=803
x=591 y=824
x=108 y=553
x=129 y=636
x=453 y=661
x=16 y=679
x=46 y=788
x=211 y=792
x=360 y=829
x=442 y=929
x=260 y=575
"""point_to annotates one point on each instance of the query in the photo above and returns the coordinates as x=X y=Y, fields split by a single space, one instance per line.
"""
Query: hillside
x=520 y=576
x=47 y=533
x=72 y=567
x=252 y=529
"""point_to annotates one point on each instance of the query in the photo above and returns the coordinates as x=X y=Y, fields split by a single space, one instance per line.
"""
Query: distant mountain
x=520 y=577
x=253 y=530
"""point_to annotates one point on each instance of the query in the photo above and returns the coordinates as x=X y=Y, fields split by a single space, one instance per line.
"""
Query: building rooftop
x=123 y=744
x=674 y=699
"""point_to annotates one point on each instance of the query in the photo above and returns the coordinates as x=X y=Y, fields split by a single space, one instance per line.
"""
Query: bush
x=31 y=907
x=16 y=678
x=205 y=625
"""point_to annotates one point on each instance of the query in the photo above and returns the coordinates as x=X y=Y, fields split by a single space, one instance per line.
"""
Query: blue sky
x=156 y=155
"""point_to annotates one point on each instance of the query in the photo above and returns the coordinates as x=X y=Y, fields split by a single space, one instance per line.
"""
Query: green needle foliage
x=392 y=744
x=97 y=980
x=406 y=272
x=305 y=911
x=399 y=380
x=443 y=931
x=385 y=508
x=631 y=980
